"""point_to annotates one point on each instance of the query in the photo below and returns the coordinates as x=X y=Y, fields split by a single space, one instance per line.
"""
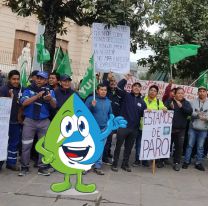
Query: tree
x=180 y=22
x=53 y=13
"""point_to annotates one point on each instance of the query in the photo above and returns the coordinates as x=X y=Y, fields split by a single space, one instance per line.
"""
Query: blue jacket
x=101 y=111
x=39 y=109
x=4 y=92
x=132 y=107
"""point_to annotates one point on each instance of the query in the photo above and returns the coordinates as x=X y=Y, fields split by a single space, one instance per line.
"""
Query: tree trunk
x=50 y=41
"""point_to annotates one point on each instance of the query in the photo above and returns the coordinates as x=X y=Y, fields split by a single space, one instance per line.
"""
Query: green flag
x=203 y=80
x=63 y=64
x=23 y=76
x=179 y=52
x=43 y=54
x=86 y=87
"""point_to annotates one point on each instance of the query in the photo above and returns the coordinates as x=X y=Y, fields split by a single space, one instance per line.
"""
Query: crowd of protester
x=36 y=105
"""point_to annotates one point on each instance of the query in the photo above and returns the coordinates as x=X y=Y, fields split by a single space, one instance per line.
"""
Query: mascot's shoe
x=85 y=188
x=60 y=187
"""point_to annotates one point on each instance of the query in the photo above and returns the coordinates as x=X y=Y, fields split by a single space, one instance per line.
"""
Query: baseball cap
x=34 y=73
x=65 y=77
x=202 y=87
x=42 y=74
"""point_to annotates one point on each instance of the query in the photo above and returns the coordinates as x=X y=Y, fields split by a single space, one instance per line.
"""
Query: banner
x=5 y=110
x=190 y=92
x=111 y=47
x=156 y=135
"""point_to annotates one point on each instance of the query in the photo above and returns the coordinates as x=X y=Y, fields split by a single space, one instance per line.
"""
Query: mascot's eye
x=67 y=126
x=83 y=126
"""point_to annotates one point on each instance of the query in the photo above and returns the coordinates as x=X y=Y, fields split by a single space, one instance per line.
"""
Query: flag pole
x=56 y=57
x=94 y=76
x=198 y=77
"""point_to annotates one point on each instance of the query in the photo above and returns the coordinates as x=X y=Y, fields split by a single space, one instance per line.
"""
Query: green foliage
x=180 y=22
x=53 y=14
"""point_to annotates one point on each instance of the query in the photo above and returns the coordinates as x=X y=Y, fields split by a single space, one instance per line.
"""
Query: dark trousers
x=126 y=136
x=107 y=148
x=13 y=144
x=177 y=137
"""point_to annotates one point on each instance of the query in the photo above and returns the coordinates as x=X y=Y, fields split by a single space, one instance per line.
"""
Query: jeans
x=138 y=145
x=107 y=148
x=199 y=137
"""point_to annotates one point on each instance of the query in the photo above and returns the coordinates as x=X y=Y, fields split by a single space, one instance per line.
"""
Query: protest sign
x=156 y=135
x=111 y=48
x=190 y=92
x=5 y=110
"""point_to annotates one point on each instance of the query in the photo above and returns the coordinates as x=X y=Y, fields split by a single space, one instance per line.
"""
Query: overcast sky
x=145 y=52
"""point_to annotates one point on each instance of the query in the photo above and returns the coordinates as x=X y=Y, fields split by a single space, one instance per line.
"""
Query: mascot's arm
x=113 y=124
x=48 y=157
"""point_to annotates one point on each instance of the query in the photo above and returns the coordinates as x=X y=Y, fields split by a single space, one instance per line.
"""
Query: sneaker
x=176 y=167
x=114 y=168
x=145 y=163
x=136 y=163
x=126 y=168
x=200 y=167
x=185 y=165
x=160 y=164
x=12 y=167
x=98 y=171
x=107 y=162
x=43 y=171
x=23 y=171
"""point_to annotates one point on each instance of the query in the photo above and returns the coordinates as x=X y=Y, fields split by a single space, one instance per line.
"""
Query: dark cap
x=202 y=87
x=65 y=77
x=42 y=74
x=34 y=73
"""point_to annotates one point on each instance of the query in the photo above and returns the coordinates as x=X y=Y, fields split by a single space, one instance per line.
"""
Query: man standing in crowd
x=132 y=109
x=36 y=100
x=153 y=103
x=2 y=77
x=101 y=110
x=53 y=80
x=182 y=109
x=63 y=92
x=198 y=129
x=12 y=89
x=113 y=95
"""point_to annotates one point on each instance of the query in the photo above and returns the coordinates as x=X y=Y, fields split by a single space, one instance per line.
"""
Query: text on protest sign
x=5 y=110
x=156 y=135
x=111 y=48
x=190 y=92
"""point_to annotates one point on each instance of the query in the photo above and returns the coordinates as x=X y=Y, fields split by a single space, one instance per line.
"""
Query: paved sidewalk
x=140 y=187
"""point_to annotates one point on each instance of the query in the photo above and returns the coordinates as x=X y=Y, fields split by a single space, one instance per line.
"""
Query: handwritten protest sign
x=5 y=109
x=111 y=48
x=156 y=135
x=190 y=92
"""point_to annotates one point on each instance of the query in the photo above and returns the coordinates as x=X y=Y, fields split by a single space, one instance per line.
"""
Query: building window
x=21 y=40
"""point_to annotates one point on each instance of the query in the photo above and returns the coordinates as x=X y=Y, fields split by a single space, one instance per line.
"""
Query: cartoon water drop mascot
x=74 y=142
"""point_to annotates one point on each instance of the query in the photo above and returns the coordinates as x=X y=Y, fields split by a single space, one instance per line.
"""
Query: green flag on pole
x=63 y=64
x=43 y=54
x=203 y=80
x=86 y=87
x=180 y=52
x=23 y=76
